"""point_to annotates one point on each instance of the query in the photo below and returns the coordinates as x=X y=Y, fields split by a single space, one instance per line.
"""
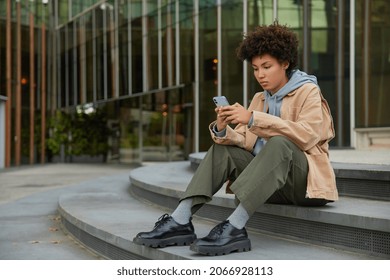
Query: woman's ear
x=285 y=65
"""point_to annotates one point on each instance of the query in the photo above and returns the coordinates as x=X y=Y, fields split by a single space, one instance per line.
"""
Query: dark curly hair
x=276 y=40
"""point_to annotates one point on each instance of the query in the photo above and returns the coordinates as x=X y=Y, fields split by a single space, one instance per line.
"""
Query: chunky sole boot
x=223 y=239
x=167 y=232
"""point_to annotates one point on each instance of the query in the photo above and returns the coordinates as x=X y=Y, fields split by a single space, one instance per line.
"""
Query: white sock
x=182 y=213
x=239 y=217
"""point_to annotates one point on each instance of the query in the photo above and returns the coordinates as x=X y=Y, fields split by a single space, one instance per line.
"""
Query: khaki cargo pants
x=277 y=174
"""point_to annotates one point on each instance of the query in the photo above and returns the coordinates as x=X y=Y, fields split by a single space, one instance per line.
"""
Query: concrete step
x=355 y=224
x=363 y=180
x=371 y=181
x=106 y=217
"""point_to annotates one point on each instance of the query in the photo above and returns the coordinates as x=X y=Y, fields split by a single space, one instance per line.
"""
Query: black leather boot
x=222 y=240
x=167 y=232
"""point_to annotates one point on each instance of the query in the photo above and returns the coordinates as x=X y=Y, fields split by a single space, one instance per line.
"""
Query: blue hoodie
x=297 y=79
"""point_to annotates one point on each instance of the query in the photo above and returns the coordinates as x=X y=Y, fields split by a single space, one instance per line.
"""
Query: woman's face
x=269 y=72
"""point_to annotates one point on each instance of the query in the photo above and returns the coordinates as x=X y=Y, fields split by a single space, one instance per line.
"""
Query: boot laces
x=218 y=229
x=162 y=220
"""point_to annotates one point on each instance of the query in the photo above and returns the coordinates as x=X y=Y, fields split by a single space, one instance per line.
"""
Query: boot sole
x=183 y=240
x=238 y=246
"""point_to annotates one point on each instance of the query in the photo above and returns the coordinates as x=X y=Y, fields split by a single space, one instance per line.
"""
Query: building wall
x=149 y=70
x=191 y=45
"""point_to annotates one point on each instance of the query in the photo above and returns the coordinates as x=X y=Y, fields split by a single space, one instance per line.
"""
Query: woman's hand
x=233 y=114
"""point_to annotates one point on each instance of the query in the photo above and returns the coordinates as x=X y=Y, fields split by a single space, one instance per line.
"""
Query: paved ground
x=29 y=222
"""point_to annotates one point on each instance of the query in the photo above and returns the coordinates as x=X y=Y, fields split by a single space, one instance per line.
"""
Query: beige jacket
x=305 y=119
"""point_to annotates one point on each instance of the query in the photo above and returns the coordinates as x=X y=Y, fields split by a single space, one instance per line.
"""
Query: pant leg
x=294 y=189
x=221 y=163
x=280 y=169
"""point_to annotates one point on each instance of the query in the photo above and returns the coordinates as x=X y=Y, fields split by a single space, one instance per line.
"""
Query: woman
x=277 y=152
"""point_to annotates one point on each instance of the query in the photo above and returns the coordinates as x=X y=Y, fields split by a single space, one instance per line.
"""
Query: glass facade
x=133 y=80
x=372 y=63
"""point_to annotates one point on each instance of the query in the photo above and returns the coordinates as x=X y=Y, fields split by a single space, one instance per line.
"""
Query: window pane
x=232 y=67
x=372 y=63
x=208 y=69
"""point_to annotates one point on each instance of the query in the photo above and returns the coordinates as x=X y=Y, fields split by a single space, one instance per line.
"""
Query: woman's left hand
x=235 y=114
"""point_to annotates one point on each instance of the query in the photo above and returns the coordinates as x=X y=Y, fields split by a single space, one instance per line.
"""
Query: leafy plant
x=80 y=133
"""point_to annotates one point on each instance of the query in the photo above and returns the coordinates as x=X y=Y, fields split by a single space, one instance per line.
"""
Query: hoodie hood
x=296 y=80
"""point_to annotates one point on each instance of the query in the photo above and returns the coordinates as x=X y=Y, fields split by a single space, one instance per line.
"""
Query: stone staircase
x=358 y=222
x=355 y=227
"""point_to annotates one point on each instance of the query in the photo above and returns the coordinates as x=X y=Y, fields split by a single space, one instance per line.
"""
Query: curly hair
x=276 y=40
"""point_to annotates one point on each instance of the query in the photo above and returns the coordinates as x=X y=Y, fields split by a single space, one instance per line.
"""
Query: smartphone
x=220 y=101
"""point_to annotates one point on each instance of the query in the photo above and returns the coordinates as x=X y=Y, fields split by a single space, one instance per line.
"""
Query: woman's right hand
x=221 y=119
x=232 y=114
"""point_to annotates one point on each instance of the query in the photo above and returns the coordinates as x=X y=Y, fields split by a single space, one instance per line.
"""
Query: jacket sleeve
x=234 y=136
x=301 y=124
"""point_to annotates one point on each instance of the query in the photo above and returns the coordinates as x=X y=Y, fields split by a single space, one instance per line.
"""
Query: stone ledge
x=373 y=137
